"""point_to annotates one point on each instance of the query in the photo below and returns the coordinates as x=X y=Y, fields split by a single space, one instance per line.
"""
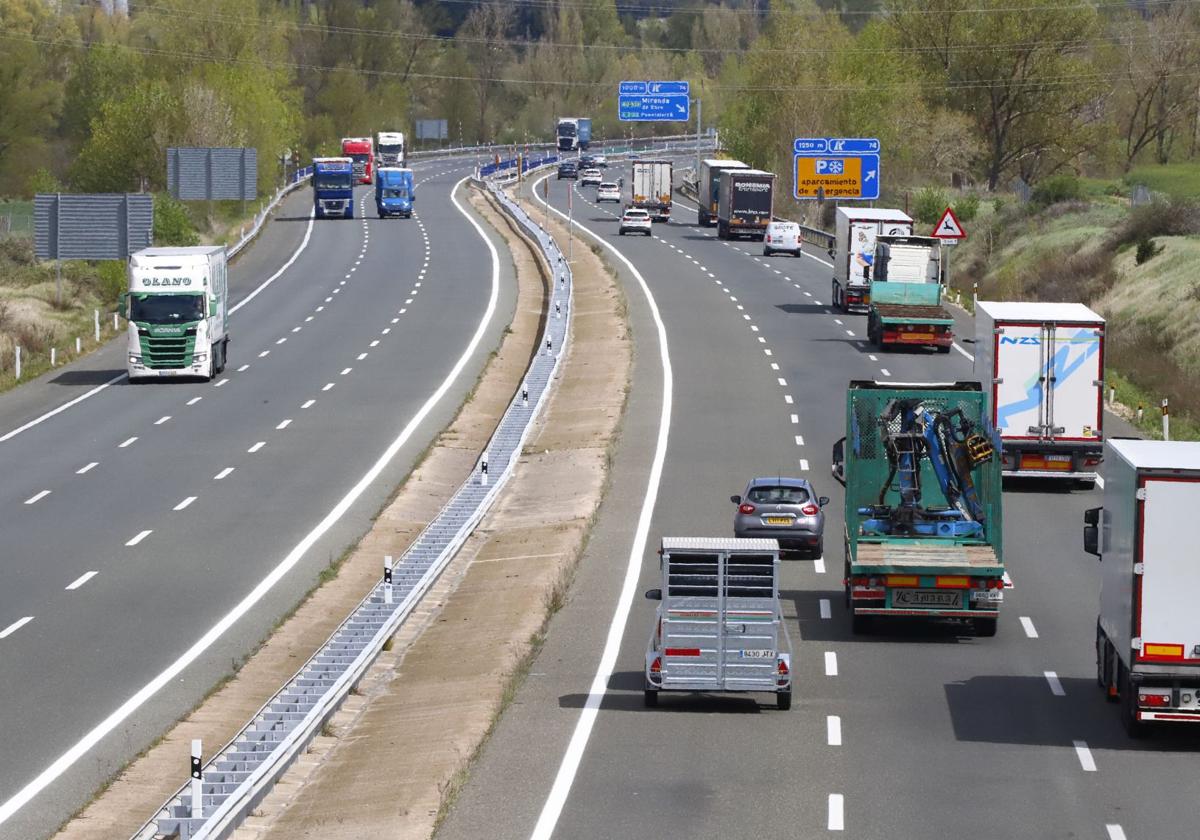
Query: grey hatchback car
x=783 y=509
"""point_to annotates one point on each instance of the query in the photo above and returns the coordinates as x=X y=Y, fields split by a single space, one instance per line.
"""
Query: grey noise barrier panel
x=212 y=174
x=241 y=774
x=94 y=226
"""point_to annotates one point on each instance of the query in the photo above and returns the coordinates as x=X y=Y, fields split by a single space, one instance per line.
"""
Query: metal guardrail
x=237 y=778
x=298 y=178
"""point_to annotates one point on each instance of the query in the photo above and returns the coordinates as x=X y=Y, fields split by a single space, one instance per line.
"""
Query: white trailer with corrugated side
x=1045 y=363
x=719 y=625
x=854 y=249
x=1148 y=632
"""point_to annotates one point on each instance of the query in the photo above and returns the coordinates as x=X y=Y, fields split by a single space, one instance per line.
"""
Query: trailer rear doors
x=1167 y=620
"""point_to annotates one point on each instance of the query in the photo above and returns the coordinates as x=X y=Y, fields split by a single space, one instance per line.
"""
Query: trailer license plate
x=927 y=598
x=779 y=520
x=915 y=336
x=757 y=654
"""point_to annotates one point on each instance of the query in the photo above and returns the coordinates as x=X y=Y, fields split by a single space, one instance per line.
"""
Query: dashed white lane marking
x=297 y=329
x=837 y=817
x=162 y=419
x=328 y=385
x=1056 y=686
x=762 y=340
x=774 y=365
x=309 y=318
x=184 y=504
x=833 y=730
x=1030 y=630
x=808 y=294
x=1100 y=484
x=782 y=381
x=308 y=403
x=819 y=565
x=36 y=497
x=243 y=368
x=885 y=371
x=872 y=357
x=795 y=418
x=752 y=327
x=385 y=330
x=264 y=354
x=15 y=626
x=257 y=446
x=767 y=351
x=1115 y=832
x=1085 y=757
x=88 y=468
x=850 y=333
x=128 y=442
x=747 y=317
x=327 y=300
x=222 y=382
x=826 y=608
x=831 y=667
x=374 y=343
x=838 y=321
x=81 y=580
x=282 y=340
x=799 y=440
x=223 y=473
x=345 y=371
x=283 y=425
x=787 y=398
x=804 y=465
x=361 y=356
x=320 y=309
x=141 y=536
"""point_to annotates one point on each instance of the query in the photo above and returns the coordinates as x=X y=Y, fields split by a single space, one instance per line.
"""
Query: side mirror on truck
x=737 y=500
x=653 y=594
x=1091 y=531
x=839 y=462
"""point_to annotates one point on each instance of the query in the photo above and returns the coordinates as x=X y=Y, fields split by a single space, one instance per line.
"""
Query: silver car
x=783 y=509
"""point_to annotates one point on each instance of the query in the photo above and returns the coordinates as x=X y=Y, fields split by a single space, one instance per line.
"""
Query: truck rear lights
x=810 y=509
x=746 y=507
x=681 y=651
x=656 y=665
x=781 y=667
x=1091 y=460
x=1154 y=700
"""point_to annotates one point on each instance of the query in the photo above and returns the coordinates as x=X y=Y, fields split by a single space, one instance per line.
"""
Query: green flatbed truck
x=923 y=504
x=906 y=295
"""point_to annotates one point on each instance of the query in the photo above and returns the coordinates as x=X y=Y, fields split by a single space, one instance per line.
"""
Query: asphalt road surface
x=135 y=520
x=915 y=731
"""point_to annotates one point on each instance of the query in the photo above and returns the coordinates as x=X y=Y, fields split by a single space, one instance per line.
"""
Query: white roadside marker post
x=17 y=366
x=483 y=469
x=197 y=785
x=524 y=396
x=96 y=323
x=1166 y=420
x=387 y=579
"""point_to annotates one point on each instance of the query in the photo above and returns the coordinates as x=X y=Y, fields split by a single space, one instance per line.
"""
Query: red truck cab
x=361 y=150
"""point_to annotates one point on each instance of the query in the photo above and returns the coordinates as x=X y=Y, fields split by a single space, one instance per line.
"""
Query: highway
x=154 y=534
x=914 y=731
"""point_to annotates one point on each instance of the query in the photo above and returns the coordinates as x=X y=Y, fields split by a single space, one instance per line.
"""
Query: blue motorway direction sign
x=672 y=108
x=655 y=88
x=836 y=146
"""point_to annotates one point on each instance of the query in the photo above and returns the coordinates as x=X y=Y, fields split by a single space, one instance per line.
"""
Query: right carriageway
x=911 y=731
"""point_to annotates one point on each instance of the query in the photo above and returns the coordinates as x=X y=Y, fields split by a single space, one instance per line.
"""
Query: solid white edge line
x=88 y=394
x=557 y=798
x=81 y=580
x=116 y=717
x=837 y=812
x=833 y=730
x=15 y=626
x=960 y=350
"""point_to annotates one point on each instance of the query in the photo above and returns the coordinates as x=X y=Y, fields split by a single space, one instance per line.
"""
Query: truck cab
x=333 y=187
x=390 y=149
x=394 y=192
x=361 y=150
x=177 y=308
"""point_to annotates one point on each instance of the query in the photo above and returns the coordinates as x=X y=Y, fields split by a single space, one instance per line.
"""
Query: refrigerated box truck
x=854 y=251
x=650 y=187
x=1148 y=632
x=745 y=202
x=708 y=183
x=1044 y=364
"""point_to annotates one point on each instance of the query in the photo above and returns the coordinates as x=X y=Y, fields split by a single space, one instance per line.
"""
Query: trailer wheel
x=783 y=700
x=837 y=298
x=651 y=698
x=945 y=349
x=985 y=627
x=1134 y=728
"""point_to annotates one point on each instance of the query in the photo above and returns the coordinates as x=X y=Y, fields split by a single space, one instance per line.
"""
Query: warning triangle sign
x=948 y=227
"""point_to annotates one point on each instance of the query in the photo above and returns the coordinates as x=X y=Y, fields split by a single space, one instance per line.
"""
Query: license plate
x=779 y=520
x=927 y=598
x=912 y=336
x=1063 y=458
x=1036 y=462
x=757 y=654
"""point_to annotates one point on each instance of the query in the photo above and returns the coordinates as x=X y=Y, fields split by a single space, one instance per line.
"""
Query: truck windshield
x=359 y=158
x=567 y=130
x=395 y=192
x=333 y=181
x=166 y=309
x=390 y=150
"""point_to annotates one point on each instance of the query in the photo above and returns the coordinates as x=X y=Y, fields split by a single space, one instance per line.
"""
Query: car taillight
x=746 y=507
x=1154 y=701
x=810 y=509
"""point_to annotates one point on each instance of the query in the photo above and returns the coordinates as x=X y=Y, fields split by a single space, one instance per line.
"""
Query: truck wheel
x=818 y=550
x=984 y=627
x=783 y=700
x=837 y=300
x=1134 y=728
x=722 y=230
x=224 y=355
x=651 y=698
x=945 y=349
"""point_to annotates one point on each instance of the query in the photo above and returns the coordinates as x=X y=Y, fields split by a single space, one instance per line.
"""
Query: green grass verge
x=1178 y=180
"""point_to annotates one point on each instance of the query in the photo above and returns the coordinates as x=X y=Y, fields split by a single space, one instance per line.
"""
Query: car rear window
x=778 y=495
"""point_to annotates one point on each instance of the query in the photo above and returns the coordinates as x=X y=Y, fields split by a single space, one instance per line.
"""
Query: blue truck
x=333 y=187
x=395 y=192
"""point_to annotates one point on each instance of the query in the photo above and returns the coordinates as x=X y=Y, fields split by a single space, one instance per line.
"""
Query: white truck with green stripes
x=177 y=307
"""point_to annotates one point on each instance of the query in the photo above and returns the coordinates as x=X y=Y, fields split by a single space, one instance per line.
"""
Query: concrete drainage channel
x=223 y=792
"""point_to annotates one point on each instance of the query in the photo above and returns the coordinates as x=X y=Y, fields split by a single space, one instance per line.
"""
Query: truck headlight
x=199 y=357
x=135 y=360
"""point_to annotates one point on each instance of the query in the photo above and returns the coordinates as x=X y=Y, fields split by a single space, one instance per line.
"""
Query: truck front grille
x=168 y=352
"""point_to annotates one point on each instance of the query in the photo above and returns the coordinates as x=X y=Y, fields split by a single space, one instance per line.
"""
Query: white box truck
x=1045 y=365
x=854 y=250
x=1148 y=632
x=390 y=149
x=650 y=188
x=177 y=307
x=708 y=184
